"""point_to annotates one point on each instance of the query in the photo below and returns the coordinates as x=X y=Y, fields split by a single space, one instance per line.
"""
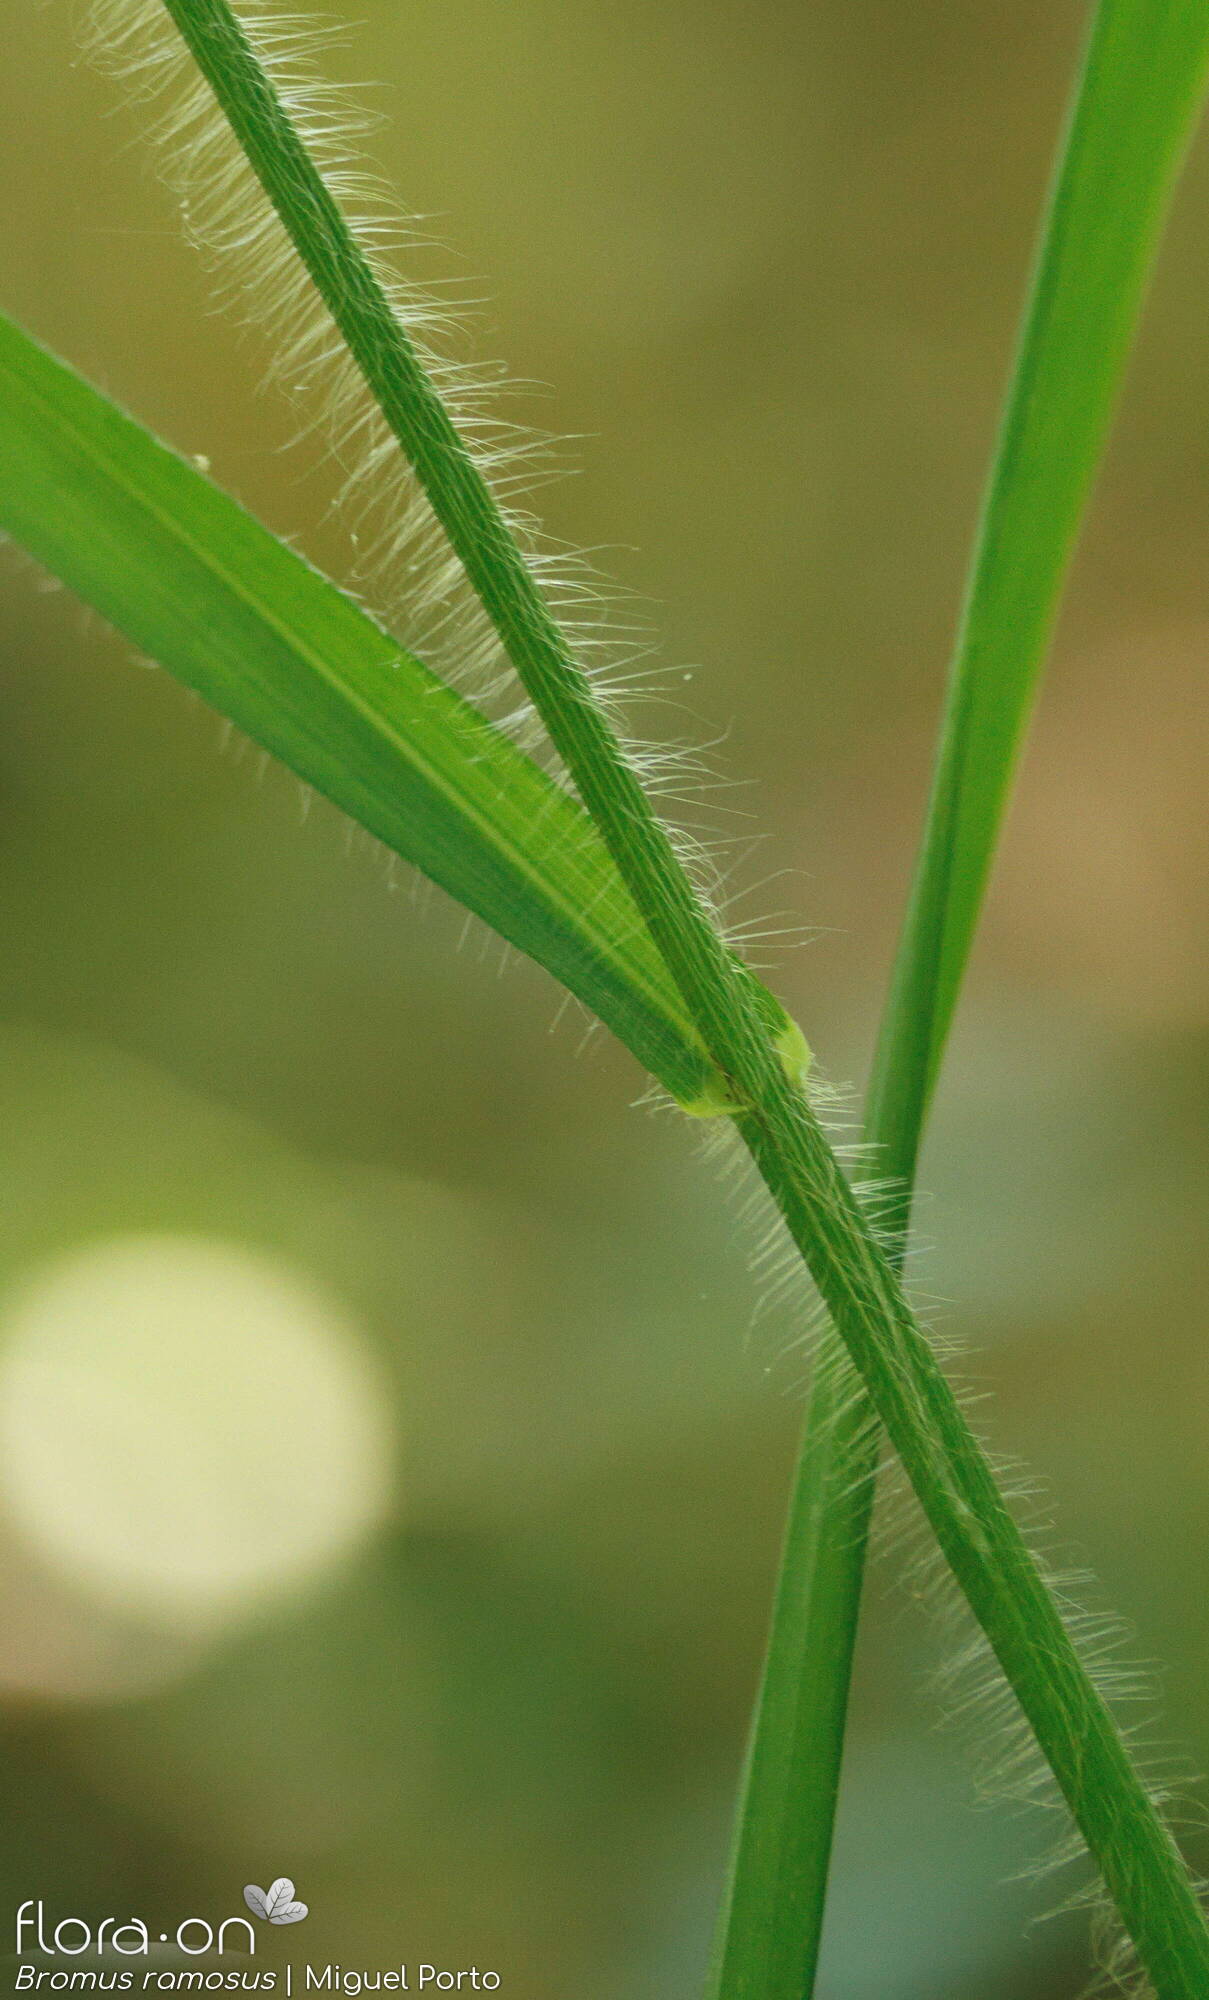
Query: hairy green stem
x=947 y=1468
x=1139 y=88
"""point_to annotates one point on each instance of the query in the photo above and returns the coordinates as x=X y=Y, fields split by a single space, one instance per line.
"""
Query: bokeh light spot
x=189 y=1429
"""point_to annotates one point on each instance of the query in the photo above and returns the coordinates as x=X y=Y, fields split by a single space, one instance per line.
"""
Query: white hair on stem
x=1008 y=1769
x=404 y=567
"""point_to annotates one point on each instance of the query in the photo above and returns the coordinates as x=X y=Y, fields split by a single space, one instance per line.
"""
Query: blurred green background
x=459 y=1628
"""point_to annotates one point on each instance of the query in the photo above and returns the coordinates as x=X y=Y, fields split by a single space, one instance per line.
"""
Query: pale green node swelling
x=717 y=1102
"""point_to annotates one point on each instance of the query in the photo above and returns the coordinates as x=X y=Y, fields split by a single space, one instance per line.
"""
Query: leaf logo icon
x=275 y=1905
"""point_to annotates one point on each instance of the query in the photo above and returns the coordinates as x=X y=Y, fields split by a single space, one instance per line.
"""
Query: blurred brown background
x=464 y=1639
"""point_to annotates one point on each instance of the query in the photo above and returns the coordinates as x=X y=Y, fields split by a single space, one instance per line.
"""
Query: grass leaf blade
x=198 y=585
x=1141 y=84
